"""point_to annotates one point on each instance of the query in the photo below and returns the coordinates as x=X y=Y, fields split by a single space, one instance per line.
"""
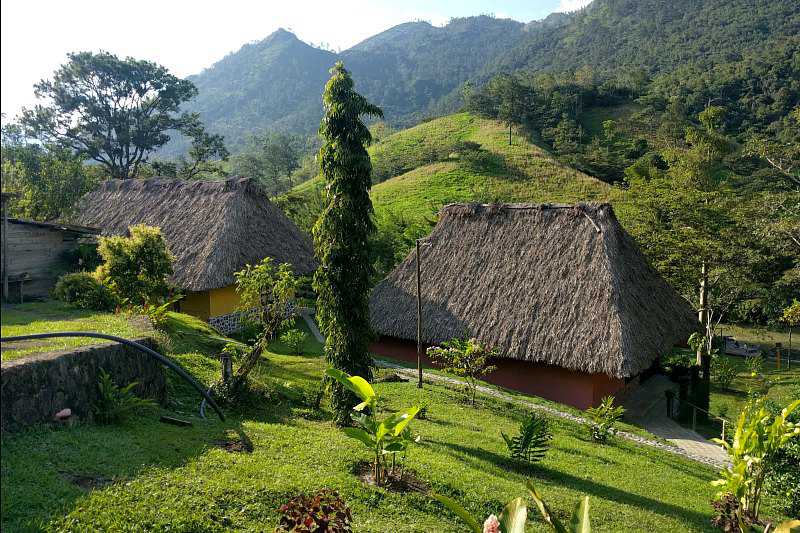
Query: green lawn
x=52 y=316
x=784 y=389
x=153 y=477
x=763 y=337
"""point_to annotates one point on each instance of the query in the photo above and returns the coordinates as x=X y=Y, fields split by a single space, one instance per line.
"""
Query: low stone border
x=35 y=388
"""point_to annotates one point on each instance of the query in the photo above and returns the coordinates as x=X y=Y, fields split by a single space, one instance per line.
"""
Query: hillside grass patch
x=158 y=476
x=53 y=316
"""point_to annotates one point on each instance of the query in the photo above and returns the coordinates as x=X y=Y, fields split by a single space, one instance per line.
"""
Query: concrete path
x=312 y=324
x=647 y=408
x=681 y=441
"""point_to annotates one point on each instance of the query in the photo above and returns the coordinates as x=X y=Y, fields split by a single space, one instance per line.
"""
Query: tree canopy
x=113 y=111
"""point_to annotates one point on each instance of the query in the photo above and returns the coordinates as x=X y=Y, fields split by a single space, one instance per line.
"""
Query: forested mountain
x=416 y=70
x=274 y=84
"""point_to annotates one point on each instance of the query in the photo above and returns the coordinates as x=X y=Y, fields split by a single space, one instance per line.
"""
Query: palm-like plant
x=757 y=439
x=515 y=514
x=383 y=437
x=533 y=440
x=603 y=419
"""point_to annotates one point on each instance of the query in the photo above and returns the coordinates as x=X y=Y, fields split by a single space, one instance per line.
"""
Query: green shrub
x=325 y=511
x=115 y=404
x=294 y=339
x=603 y=419
x=136 y=268
x=84 y=291
x=723 y=371
x=533 y=440
x=759 y=437
x=783 y=474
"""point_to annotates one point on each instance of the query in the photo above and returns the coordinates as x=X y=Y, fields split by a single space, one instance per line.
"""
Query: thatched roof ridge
x=213 y=228
x=563 y=285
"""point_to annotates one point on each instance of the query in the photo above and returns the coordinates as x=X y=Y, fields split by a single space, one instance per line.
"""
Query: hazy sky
x=188 y=36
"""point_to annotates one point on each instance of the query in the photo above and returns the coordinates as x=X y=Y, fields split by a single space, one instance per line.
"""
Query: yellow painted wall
x=208 y=304
x=196 y=304
x=223 y=301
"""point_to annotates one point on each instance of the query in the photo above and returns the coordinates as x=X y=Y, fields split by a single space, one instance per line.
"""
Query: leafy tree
x=268 y=290
x=47 y=179
x=342 y=233
x=791 y=315
x=464 y=357
x=783 y=154
x=205 y=153
x=271 y=158
x=112 y=111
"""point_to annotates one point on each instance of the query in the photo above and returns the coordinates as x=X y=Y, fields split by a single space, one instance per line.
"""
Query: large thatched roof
x=213 y=228
x=554 y=284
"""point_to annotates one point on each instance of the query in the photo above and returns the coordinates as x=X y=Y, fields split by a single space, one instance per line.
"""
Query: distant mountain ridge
x=415 y=70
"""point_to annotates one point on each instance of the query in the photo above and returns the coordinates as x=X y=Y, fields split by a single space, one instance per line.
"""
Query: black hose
x=152 y=353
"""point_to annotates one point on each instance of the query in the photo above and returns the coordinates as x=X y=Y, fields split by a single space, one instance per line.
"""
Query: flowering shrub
x=322 y=512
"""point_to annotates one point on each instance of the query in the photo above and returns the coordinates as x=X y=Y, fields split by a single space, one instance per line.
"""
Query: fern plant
x=115 y=404
x=533 y=440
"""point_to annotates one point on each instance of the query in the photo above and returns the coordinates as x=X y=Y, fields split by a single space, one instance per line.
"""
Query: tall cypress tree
x=341 y=234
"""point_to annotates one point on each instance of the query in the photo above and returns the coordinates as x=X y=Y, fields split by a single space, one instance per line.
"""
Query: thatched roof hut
x=213 y=228
x=561 y=285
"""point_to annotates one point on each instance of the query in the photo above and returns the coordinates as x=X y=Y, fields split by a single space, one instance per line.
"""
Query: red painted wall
x=578 y=389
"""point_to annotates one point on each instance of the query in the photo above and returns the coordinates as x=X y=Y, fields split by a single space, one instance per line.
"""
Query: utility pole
x=419 y=321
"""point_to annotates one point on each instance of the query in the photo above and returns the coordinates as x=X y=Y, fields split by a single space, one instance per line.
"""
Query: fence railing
x=696 y=408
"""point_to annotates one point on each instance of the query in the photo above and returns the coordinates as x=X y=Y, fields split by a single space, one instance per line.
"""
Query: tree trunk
x=701 y=397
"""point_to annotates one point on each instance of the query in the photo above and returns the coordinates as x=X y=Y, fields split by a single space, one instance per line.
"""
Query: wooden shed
x=34 y=254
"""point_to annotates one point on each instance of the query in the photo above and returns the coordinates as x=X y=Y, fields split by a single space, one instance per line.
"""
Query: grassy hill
x=457 y=158
x=183 y=479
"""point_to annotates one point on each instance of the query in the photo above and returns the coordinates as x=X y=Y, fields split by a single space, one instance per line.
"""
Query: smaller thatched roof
x=554 y=284
x=213 y=228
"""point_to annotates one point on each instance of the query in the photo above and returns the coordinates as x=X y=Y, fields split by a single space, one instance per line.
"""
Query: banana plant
x=756 y=440
x=515 y=514
x=382 y=437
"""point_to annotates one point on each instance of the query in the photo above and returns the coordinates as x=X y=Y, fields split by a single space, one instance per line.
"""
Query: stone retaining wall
x=35 y=388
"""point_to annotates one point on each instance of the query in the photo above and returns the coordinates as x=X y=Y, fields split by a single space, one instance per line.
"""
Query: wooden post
x=5 y=246
x=703 y=311
x=419 y=320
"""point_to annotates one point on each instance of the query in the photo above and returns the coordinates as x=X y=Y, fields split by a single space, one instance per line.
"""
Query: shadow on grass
x=578 y=484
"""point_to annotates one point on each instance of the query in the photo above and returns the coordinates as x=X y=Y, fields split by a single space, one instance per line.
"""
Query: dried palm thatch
x=563 y=285
x=213 y=228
